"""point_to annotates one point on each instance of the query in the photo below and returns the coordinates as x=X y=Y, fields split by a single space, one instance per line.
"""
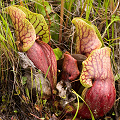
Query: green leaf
x=27 y=92
x=54 y=26
x=58 y=53
x=41 y=7
x=24 y=80
x=117 y=77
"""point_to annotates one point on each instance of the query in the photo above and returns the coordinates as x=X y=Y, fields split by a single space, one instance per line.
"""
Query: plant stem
x=61 y=20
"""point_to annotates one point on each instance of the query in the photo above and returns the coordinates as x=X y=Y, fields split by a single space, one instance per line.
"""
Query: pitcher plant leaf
x=24 y=30
x=87 y=39
x=39 y=23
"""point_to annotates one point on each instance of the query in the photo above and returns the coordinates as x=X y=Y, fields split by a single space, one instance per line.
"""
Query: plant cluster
x=96 y=77
x=101 y=96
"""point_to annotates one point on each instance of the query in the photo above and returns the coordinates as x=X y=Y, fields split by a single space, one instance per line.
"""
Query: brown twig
x=61 y=20
x=36 y=116
x=116 y=7
x=68 y=14
x=2 y=74
x=83 y=8
x=21 y=2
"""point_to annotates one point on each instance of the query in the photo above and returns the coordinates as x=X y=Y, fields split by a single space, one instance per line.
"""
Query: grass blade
x=85 y=103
